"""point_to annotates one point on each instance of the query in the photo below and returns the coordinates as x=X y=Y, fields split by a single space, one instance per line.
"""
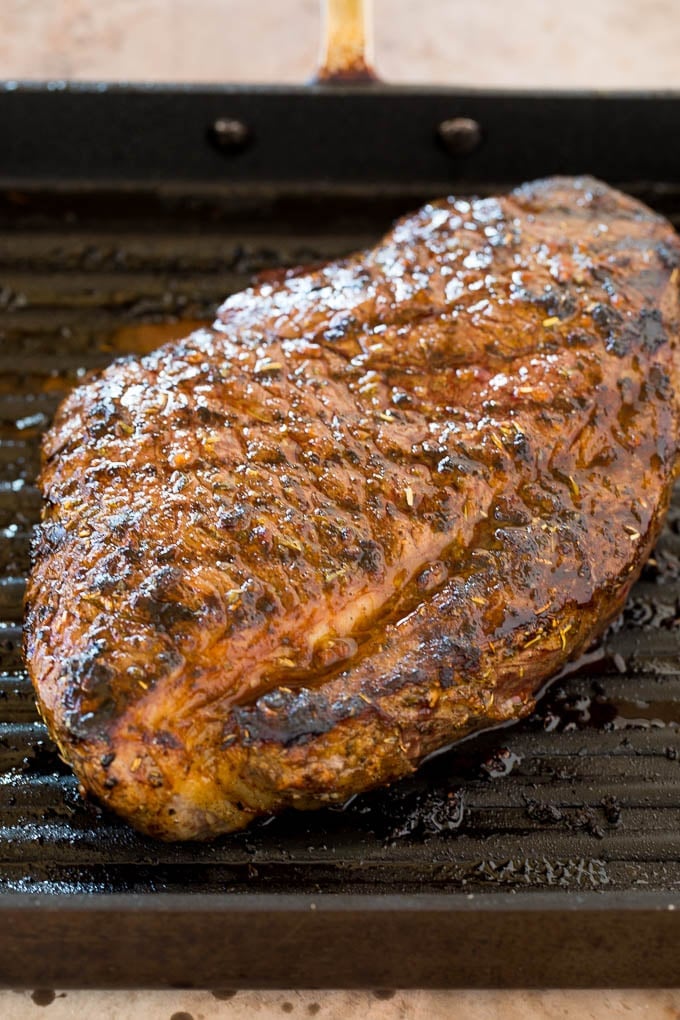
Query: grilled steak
x=371 y=510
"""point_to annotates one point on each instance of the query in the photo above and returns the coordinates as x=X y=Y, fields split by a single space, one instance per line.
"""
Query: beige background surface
x=601 y=43
x=581 y=1005
x=597 y=43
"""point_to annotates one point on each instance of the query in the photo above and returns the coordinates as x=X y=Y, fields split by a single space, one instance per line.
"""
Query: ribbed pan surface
x=584 y=795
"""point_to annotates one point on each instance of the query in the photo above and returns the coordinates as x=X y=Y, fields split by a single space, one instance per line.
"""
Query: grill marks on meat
x=371 y=510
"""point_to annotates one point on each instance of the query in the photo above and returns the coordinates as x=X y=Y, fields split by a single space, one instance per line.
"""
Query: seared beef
x=372 y=509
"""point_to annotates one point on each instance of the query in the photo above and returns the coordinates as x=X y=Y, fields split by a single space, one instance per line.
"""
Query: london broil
x=372 y=510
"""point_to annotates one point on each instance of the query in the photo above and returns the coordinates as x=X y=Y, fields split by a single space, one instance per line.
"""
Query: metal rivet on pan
x=229 y=135
x=459 y=135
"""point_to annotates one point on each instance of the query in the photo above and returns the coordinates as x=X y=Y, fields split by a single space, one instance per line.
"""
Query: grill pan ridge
x=568 y=822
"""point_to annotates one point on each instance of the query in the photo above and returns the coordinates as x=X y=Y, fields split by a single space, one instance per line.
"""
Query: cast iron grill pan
x=583 y=797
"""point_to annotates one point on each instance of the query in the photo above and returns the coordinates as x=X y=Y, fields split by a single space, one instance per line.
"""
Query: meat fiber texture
x=372 y=510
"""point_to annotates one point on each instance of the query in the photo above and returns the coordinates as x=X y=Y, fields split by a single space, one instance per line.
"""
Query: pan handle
x=346 y=55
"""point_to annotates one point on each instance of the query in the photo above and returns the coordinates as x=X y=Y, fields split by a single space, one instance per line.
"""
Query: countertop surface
x=601 y=44
x=379 y=1005
x=608 y=44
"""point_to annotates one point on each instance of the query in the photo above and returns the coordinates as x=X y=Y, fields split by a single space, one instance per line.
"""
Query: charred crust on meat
x=48 y=537
x=164 y=615
x=102 y=415
x=555 y=301
x=291 y=719
x=650 y=329
x=164 y=738
x=209 y=416
x=659 y=382
x=121 y=522
x=371 y=557
x=88 y=691
x=669 y=257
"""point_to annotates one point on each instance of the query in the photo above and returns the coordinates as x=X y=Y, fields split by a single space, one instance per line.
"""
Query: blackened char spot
x=293 y=717
x=106 y=583
x=166 y=739
x=447 y=676
x=455 y=658
x=101 y=415
x=603 y=277
x=130 y=554
x=605 y=316
x=265 y=605
x=297 y=716
x=167 y=614
x=669 y=257
x=89 y=672
x=619 y=345
x=431 y=453
x=609 y=320
x=650 y=329
x=561 y=303
x=578 y=338
x=207 y=416
x=88 y=691
x=659 y=380
x=48 y=538
x=167 y=553
x=168 y=661
x=123 y=521
x=156 y=603
x=371 y=559
x=412 y=676
x=233 y=517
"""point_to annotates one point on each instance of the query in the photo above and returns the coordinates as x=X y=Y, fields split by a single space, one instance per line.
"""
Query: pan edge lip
x=61 y=88
x=530 y=902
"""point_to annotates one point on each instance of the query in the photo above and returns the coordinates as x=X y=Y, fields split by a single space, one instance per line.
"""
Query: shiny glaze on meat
x=372 y=509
